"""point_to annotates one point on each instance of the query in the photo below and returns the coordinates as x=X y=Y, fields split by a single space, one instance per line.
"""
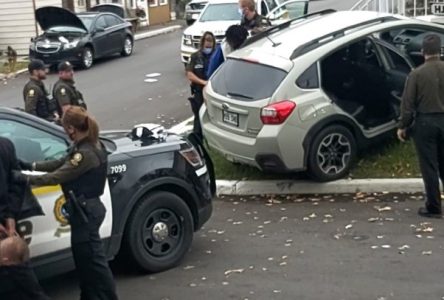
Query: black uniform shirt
x=65 y=93
x=255 y=25
x=423 y=92
x=36 y=100
x=82 y=170
x=198 y=65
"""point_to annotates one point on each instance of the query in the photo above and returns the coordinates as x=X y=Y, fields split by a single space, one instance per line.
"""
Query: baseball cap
x=36 y=64
x=64 y=66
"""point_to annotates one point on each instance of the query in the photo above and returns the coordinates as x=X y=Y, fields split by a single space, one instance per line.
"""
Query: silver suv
x=311 y=92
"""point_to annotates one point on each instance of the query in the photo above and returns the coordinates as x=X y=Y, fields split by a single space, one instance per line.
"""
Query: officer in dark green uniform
x=196 y=73
x=82 y=173
x=251 y=20
x=422 y=110
x=64 y=91
x=35 y=95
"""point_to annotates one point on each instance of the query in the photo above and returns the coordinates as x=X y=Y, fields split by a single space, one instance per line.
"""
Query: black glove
x=25 y=165
x=19 y=177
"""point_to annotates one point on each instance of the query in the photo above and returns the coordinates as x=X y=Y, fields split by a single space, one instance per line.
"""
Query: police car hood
x=218 y=28
x=51 y=16
x=120 y=142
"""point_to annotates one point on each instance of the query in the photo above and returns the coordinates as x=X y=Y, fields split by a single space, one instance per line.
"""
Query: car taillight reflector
x=277 y=113
x=192 y=157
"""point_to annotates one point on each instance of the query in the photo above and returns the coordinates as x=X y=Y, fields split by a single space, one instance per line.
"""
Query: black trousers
x=95 y=276
x=428 y=136
x=196 y=102
x=20 y=283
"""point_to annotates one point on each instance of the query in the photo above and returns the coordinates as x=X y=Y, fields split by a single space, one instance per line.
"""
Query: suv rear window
x=246 y=81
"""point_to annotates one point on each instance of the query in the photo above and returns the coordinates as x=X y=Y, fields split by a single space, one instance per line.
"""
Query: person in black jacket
x=17 y=279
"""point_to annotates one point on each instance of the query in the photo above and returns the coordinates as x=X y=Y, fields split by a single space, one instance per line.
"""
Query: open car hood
x=111 y=8
x=50 y=16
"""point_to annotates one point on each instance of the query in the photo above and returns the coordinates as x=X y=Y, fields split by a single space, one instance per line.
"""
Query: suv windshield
x=246 y=81
x=221 y=12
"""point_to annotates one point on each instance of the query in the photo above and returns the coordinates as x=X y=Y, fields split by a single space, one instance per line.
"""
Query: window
x=112 y=21
x=309 y=79
x=153 y=2
x=221 y=12
x=32 y=144
x=100 y=23
x=398 y=62
x=246 y=81
x=163 y=2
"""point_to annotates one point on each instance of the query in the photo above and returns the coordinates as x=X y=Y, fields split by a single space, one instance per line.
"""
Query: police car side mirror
x=148 y=131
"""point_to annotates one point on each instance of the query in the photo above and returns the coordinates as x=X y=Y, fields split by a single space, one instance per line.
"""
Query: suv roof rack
x=313 y=44
x=286 y=24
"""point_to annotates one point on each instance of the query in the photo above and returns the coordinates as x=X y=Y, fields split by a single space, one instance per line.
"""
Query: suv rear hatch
x=240 y=89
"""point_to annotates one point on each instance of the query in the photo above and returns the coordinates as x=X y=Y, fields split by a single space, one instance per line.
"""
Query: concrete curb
x=343 y=186
x=152 y=33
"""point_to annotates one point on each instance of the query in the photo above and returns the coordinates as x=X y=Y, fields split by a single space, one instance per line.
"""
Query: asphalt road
x=115 y=91
x=327 y=247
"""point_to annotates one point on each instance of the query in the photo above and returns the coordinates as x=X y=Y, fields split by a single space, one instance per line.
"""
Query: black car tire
x=332 y=153
x=127 y=51
x=150 y=214
x=87 y=58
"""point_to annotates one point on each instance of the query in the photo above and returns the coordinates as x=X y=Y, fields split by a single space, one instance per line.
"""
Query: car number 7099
x=118 y=169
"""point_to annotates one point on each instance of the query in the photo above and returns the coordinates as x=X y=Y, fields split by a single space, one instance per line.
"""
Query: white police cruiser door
x=50 y=233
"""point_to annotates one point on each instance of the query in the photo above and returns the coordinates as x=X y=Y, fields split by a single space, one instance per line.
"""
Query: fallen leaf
x=373 y=219
x=386 y=246
x=427 y=252
x=403 y=247
x=229 y=272
x=188 y=267
x=348 y=226
x=385 y=208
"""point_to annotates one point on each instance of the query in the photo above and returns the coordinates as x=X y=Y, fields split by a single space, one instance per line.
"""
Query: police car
x=159 y=191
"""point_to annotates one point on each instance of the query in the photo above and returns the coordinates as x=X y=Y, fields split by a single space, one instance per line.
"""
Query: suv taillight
x=277 y=113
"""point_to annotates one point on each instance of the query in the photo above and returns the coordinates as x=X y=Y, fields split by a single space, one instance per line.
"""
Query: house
x=18 y=25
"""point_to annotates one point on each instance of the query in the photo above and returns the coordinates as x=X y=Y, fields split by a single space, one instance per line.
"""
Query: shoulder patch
x=31 y=93
x=63 y=91
x=76 y=159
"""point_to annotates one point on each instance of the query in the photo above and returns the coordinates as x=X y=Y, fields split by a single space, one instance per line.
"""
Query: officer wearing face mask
x=196 y=73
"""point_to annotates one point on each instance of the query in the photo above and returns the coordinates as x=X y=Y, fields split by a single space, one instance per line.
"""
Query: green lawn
x=390 y=160
x=4 y=68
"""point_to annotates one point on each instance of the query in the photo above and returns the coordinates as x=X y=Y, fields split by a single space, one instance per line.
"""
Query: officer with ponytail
x=196 y=73
x=82 y=174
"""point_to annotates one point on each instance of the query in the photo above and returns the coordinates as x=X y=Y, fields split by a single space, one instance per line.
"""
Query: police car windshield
x=221 y=12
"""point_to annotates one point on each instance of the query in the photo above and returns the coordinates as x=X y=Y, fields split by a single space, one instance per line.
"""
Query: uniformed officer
x=35 y=94
x=422 y=110
x=82 y=172
x=64 y=91
x=251 y=20
x=196 y=73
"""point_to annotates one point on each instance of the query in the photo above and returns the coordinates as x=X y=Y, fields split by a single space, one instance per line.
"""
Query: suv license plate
x=230 y=118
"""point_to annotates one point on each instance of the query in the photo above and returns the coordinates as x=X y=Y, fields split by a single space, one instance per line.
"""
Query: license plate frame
x=230 y=118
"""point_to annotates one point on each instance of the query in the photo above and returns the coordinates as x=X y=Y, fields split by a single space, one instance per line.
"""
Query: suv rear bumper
x=268 y=151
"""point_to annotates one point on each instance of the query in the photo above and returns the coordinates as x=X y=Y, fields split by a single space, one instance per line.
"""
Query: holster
x=77 y=207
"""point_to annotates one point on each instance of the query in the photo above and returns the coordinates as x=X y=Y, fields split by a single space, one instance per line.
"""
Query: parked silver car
x=311 y=92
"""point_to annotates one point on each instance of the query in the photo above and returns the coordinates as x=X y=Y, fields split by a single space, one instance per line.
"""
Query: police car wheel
x=159 y=232
x=127 y=47
x=87 y=58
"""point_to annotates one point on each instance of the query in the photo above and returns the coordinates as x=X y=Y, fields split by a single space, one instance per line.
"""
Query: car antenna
x=274 y=44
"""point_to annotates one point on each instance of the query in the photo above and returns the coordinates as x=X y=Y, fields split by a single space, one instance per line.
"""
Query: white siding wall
x=17 y=23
